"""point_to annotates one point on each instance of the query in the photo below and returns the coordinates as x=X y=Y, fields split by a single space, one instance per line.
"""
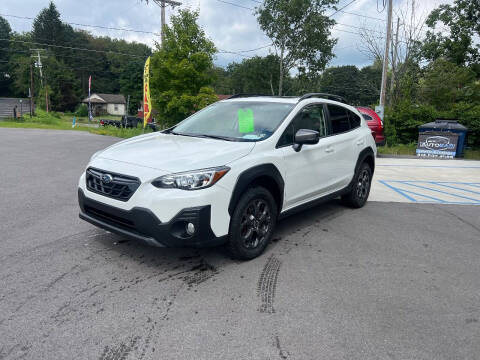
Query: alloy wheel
x=363 y=184
x=255 y=224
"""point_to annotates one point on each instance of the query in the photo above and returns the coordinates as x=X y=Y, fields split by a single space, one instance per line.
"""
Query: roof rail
x=236 y=96
x=323 y=95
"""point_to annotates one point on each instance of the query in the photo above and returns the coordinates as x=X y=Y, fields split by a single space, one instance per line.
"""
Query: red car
x=374 y=123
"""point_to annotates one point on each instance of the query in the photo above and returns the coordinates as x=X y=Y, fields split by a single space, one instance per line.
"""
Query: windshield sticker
x=246 y=122
x=251 y=137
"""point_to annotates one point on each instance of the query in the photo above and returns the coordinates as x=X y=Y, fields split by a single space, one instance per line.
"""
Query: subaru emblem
x=107 y=178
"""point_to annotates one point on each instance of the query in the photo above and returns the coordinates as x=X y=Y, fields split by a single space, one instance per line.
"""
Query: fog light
x=190 y=228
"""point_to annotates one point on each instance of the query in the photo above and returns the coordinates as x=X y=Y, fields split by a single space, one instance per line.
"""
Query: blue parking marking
x=397 y=190
x=453 y=187
x=432 y=166
x=439 y=191
x=404 y=188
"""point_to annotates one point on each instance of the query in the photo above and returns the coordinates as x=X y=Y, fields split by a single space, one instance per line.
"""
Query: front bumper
x=142 y=224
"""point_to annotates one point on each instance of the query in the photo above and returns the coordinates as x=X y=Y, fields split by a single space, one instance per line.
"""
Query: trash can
x=448 y=125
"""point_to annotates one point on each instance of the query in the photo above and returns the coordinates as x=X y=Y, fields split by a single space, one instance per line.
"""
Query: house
x=7 y=106
x=102 y=104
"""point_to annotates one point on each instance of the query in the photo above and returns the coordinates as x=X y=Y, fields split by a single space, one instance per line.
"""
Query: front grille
x=120 y=187
x=111 y=218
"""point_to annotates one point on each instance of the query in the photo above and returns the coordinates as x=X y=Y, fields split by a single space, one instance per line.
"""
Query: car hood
x=176 y=153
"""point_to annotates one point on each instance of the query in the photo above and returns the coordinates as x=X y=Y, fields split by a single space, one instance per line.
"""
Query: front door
x=307 y=172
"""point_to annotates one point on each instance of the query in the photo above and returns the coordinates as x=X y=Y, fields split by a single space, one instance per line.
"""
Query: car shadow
x=215 y=256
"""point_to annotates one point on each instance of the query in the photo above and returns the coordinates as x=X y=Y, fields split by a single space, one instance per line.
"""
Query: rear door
x=344 y=128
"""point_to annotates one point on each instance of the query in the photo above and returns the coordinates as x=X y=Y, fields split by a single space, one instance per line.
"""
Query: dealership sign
x=437 y=145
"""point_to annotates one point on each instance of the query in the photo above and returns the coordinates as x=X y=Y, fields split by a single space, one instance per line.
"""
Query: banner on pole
x=90 y=117
x=147 y=105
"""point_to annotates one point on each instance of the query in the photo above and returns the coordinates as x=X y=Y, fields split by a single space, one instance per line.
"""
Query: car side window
x=310 y=117
x=354 y=120
x=367 y=117
x=338 y=119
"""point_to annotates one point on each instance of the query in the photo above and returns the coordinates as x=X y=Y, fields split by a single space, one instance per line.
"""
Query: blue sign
x=437 y=145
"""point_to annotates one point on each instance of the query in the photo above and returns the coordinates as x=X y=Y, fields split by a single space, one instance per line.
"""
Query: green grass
x=409 y=149
x=43 y=120
x=472 y=154
x=402 y=149
x=118 y=132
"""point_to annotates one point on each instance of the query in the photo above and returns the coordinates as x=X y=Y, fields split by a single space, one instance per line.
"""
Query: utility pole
x=385 y=59
x=394 y=57
x=46 y=95
x=39 y=65
x=31 y=92
x=163 y=4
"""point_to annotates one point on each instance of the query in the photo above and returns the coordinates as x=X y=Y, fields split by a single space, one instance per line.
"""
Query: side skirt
x=313 y=203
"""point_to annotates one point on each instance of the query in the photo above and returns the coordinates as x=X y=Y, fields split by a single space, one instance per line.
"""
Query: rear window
x=354 y=120
x=367 y=117
x=338 y=119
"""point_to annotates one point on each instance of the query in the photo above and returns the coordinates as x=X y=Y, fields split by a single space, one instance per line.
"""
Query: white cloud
x=231 y=28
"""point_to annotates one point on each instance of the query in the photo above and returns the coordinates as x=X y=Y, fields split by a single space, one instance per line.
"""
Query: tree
x=47 y=26
x=300 y=33
x=222 y=82
x=181 y=69
x=446 y=83
x=5 y=79
x=257 y=75
x=359 y=87
x=405 y=46
x=64 y=92
x=463 y=22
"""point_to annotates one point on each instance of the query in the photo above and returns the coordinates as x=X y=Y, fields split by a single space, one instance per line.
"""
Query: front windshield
x=236 y=120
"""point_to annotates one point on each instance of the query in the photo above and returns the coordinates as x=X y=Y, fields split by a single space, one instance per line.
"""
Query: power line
x=130 y=30
x=350 y=3
x=361 y=28
x=361 y=15
x=244 y=51
x=237 y=5
x=73 y=48
x=87 y=25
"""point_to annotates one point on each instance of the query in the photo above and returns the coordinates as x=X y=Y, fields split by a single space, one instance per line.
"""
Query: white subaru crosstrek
x=227 y=173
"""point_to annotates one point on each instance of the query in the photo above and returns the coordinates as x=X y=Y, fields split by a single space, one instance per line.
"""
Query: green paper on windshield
x=246 y=123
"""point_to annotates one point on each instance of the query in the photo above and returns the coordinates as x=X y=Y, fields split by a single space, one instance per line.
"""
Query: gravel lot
x=394 y=280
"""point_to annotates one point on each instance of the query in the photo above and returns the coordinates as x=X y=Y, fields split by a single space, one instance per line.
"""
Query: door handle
x=360 y=142
x=329 y=149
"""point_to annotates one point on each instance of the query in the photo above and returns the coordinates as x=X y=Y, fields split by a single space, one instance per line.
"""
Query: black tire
x=358 y=195
x=252 y=224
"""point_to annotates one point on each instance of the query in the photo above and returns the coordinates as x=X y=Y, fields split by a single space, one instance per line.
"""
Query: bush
x=402 y=121
x=81 y=110
x=468 y=115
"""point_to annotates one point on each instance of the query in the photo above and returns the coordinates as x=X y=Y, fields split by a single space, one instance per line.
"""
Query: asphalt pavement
x=394 y=280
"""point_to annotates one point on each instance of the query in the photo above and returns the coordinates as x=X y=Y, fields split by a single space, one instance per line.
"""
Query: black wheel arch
x=367 y=155
x=266 y=175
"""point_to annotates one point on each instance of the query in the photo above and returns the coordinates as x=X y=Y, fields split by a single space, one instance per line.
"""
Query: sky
x=232 y=28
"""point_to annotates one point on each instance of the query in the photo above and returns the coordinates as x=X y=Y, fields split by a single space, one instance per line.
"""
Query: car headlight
x=191 y=180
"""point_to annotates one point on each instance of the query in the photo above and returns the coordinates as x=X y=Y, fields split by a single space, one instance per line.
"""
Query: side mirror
x=305 y=137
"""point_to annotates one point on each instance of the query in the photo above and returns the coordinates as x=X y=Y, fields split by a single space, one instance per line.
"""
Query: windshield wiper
x=226 y=138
